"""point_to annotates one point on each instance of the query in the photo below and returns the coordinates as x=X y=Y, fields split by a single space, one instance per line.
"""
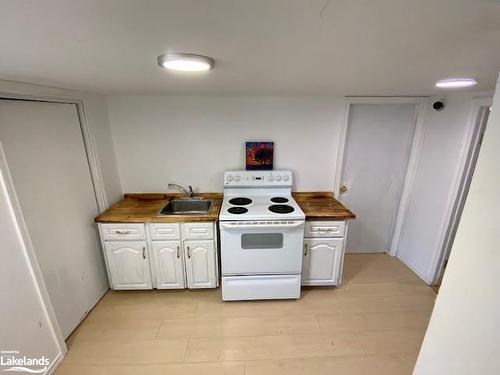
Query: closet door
x=377 y=151
x=46 y=157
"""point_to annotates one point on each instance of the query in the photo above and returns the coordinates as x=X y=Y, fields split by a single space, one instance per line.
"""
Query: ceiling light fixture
x=456 y=83
x=186 y=62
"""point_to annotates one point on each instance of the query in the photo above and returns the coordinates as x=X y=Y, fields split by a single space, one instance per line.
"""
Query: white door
x=128 y=264
x=322 y=261
x=169 y=264
x=46 y=157
x=377 y=151
x=200 y=264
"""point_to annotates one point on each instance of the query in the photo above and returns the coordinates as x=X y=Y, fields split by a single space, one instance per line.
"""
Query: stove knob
x=285 y=178
x=278 y=177
x=270 y=178
x=230 y=178
x=237 y=178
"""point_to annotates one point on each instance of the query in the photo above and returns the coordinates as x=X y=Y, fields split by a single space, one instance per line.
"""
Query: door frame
x=463 y=170
x=421 y=103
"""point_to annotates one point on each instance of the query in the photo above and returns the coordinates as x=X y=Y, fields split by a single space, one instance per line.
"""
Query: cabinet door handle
x=144 y=252
x=305 y=249
x=178 y=252
x=189 y=252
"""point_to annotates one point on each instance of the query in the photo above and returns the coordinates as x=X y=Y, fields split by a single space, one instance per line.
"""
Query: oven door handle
x=238 y=226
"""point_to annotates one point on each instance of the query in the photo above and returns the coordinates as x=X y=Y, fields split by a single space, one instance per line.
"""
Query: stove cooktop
x=264 y=207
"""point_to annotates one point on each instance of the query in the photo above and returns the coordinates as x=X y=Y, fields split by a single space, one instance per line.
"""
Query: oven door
x=251 y=248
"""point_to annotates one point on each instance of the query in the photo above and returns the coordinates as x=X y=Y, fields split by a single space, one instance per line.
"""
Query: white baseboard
x=366 y=251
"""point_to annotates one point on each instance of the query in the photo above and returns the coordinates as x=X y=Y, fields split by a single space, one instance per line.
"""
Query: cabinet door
x=128 y=264
x=200 y=264
x=322 y=261
x=169 y=264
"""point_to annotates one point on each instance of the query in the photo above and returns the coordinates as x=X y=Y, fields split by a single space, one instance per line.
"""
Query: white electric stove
x=262 y=236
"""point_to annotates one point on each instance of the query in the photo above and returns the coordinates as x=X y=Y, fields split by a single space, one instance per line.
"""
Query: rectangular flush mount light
x=186 y=62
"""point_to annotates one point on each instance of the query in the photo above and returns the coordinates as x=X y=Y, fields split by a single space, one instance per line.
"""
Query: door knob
x=343 y=189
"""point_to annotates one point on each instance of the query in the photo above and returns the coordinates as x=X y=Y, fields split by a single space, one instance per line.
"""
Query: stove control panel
x=258 y=178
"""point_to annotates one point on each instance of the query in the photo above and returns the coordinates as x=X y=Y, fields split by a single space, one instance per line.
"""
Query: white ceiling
x=263 y=47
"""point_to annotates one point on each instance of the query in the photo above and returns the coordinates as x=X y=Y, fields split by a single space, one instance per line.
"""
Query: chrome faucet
x=188 y=191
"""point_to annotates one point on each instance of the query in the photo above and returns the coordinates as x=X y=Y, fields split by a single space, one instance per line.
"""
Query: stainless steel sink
x=186 y=207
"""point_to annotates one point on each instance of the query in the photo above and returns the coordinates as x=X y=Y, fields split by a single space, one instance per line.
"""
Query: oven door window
x=262 y=241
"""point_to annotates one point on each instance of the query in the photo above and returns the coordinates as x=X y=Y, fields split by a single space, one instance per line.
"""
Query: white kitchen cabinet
x=322 y=259
x=323 y=254
x=169 y=255
x=169 y=264
x=200 y=263
x=128 y=264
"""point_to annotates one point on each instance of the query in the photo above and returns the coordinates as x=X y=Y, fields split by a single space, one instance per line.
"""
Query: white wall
x=24 y=322
x=463 y=334
x=192 y=140
x=430 y=199
x=97 y=117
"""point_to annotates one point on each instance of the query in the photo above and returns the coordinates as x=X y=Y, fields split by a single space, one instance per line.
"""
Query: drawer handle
x=305 y=249
x=189 y=252
x=144 y=252
x=178 y=252
x=164 y=231
x=199 y=230
x=325 y=229
x=123 y=232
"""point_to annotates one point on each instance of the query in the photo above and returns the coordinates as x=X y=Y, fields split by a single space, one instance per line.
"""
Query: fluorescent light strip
x=456 y=83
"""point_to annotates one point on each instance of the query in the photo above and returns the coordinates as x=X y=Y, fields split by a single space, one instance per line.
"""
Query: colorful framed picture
x=259 y=155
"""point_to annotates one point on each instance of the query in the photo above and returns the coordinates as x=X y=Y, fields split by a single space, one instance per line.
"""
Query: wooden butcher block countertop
x=322 y=206
x=143 y=208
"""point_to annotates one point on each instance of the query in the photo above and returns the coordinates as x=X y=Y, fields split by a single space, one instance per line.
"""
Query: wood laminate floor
x=373 y=324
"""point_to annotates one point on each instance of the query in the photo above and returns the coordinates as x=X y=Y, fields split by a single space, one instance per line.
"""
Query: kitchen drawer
x=123 y=232
x=165 y=231
x=324 y=229
x=198 y=231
